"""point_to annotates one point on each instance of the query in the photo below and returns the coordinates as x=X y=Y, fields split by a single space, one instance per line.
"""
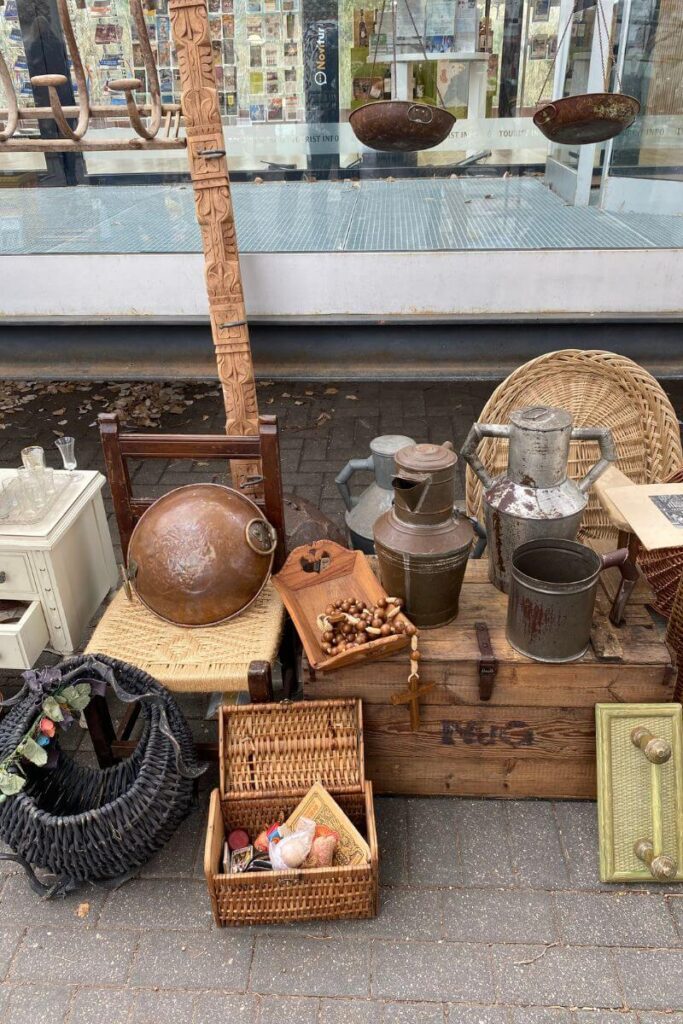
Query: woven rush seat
x=192 y=660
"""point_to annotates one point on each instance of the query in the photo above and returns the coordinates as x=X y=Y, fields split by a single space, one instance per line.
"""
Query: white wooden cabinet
x=62 y=567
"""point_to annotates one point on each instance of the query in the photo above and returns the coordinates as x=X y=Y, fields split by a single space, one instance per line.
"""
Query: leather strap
x=488 y=663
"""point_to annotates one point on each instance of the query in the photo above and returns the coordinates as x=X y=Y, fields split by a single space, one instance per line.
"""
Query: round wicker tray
x=598 y=389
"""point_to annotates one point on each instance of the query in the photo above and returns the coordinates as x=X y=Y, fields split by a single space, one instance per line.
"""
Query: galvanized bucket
x=552 y=597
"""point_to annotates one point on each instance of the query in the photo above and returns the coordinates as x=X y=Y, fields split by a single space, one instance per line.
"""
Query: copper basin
x=592 y=117
x=200 y=555
x=400 y=125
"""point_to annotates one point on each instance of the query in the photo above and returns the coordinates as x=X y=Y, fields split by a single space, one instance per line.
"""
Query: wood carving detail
x=213 y=207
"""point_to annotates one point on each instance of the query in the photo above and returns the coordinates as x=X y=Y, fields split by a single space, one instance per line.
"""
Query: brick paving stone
x=216 y=1008
x=5 y=993
x=413 y=1013
x=456 y=1013
x=498 y=915
x=615 y=919
x=558 y=976
x=433 y=855
x=181 y=903
x=276 y=1009
x=36 y=1004
x=153 y=1007
x=675 y=905
x=217 y=960
x=17 y=894
x=483 y=842
x=442 y=971
x=391 y=817
x=578 y=825
x=101 y=1006
x=659 y=1018
x=286 y=964
x=10 y=938
x=651 y=980
x=540 y=1015
x=404 y=914
x=350 y=1011
x=535 y=848
x=66 y=956
x=605 y=1017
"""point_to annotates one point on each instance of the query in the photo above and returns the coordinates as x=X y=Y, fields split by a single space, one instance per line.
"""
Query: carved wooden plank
x=213 y=206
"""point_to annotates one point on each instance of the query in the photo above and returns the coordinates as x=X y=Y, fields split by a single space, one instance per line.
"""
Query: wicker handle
x=469 y=450
x=342 y=479
x=608 y=452
x=658 y=752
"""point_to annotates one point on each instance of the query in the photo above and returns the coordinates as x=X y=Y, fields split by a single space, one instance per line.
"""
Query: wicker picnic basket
x=598 y=389
x=270 y=756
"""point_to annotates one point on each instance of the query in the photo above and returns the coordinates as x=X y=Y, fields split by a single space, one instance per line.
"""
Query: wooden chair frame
x=118 y=448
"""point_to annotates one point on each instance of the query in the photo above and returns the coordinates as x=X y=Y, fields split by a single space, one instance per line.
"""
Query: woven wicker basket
x=270 y=756
x=598 y=389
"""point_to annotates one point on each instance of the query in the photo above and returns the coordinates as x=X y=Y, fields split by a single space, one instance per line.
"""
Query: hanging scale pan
x=588 y=118
x=200 y=555
x=400 y=126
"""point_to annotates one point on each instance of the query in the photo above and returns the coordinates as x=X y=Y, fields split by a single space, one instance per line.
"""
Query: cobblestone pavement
x=490 y=910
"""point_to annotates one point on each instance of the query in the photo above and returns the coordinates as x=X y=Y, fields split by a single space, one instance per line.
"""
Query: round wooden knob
x=124 y=85
x=663 y=868
x=656 y=750
x=48 y=80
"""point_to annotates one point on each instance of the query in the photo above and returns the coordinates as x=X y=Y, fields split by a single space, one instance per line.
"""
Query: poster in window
x=255 y=55
x=255 y=30
x=257 y=111
x=215 y=28
x=275 y=108
x=272 y=82
x=228 y=51
x=291 y=52
x=255 y=82
x=539 y=47
x=272 y=22
x=254 y=7
x=541 y=10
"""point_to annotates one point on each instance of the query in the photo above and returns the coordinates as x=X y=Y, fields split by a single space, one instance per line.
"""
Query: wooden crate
x=270 y=756
x=534 y=737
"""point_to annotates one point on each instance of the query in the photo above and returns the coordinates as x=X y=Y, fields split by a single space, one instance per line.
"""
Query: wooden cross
x=412 y=697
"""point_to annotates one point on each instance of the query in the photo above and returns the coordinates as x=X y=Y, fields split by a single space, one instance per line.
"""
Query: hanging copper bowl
x=400 y=126
x=588 y=118
x=200 y=555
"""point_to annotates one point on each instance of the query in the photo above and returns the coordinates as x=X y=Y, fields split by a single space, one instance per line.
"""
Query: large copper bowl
x=400 y=125
x=588 y=118
x=200 y=555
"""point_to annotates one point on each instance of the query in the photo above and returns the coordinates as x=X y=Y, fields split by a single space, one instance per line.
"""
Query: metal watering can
x=535 y=498
x=364 y=510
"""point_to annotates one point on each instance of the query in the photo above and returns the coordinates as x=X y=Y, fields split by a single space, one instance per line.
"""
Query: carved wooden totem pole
x=209 y=172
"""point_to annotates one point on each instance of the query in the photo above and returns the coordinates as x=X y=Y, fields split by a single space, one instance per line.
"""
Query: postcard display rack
x=256 y=47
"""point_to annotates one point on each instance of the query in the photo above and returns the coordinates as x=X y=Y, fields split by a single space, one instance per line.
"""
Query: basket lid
x=280 y=749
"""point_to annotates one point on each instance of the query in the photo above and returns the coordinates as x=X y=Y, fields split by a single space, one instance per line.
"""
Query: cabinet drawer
x=22 y=642
x=15 y=575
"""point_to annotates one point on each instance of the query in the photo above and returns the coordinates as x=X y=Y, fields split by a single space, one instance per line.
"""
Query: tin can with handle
x=553 y=587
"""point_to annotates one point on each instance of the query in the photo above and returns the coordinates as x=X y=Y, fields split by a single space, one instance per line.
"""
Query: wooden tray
x=319 y=574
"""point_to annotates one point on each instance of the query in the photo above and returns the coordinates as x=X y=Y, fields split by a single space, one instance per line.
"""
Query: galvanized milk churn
x=363 y=511
x=535 y=497
x=423 y=543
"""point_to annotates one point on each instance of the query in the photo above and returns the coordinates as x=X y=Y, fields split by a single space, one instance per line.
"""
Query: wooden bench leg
x=260 y=680
x=102 y=732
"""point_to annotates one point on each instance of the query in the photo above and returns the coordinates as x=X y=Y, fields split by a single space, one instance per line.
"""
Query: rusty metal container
x=200 y=555
x=552 y=597
x=587 y=118
x=535 y=497
x=401 y=126
x=423 y=543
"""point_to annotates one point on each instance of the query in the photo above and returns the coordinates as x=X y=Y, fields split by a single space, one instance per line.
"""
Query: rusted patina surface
x=200 y=554
x=400 y=125
x=588 y=118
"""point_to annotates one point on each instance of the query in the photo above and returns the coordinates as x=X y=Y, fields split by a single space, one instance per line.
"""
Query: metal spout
x=412 y=491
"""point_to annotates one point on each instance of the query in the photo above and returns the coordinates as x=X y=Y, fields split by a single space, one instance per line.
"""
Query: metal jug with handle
x=364 y=510
x=534 y=497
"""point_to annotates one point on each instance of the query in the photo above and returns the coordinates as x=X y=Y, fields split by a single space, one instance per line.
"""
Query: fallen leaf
x=82 y=910
x=298 y=402
x=323 y=418
x=351 y=398
x=331 y=391
x=59 y=412
x=310 y=393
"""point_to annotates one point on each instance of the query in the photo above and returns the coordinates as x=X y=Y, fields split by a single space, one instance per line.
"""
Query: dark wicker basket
x=87 y=824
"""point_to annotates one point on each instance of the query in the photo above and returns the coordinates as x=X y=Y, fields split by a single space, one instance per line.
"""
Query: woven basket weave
x=598 y=389
x=88 y=824
x=271 y=754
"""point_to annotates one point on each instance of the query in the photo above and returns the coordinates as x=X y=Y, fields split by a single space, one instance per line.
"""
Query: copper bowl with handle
x=200 y=555
x=400 y=125
x=588 y=118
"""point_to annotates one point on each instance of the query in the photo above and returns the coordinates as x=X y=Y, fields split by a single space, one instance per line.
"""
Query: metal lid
x=389 y=444
x=426 y=458
x=200 y=554
x=541 y=417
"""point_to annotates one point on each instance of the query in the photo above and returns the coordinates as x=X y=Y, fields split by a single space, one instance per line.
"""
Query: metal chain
x=558 y=48
x=420 y=40
x=611 y=59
